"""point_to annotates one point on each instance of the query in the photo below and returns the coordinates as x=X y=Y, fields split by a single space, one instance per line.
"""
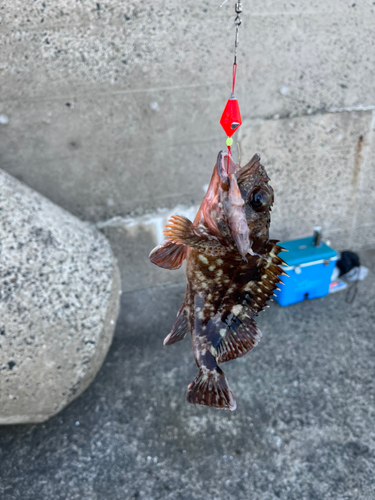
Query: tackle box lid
x=304 y=252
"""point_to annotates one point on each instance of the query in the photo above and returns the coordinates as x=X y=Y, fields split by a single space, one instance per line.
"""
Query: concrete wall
x=111 y=109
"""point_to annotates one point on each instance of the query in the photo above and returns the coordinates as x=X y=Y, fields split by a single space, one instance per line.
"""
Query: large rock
x=59 y=300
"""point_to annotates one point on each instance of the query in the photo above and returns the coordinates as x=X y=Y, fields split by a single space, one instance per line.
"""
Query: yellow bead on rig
x=229 y=141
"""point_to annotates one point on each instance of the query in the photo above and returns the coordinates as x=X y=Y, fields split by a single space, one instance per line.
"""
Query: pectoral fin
x=168 y=255
x=182 y=231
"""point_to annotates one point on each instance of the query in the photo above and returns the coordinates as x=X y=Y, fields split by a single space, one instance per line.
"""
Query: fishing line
x=231 y=118
x=239 y=153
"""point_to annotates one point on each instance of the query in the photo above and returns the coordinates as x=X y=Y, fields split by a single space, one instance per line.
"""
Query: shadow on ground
x=304 y=427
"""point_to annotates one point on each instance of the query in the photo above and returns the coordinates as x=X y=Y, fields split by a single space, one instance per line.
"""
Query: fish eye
x=259 y=199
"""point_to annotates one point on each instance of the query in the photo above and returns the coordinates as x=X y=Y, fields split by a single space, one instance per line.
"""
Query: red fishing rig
x=231 y=118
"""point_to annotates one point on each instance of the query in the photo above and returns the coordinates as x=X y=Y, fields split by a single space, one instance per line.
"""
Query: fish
x=232 y=270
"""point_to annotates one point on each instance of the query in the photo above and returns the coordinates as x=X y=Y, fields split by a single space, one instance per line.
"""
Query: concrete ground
x=304 y=427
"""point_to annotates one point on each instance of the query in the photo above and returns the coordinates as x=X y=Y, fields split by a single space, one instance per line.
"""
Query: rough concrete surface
x=132 y=240
x=112 y=108
x=59 y=300
x=303 y=430
x=322 y=170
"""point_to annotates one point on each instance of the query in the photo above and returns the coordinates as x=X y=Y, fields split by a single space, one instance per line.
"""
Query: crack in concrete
x=363 y=155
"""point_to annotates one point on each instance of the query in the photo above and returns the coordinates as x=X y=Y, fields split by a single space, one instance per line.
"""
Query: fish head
x=246 y=198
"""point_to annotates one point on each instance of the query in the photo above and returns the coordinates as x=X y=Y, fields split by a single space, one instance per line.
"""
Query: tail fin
x=210 y=388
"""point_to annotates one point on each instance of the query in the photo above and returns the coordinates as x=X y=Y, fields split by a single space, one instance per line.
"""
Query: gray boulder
x=59 y=301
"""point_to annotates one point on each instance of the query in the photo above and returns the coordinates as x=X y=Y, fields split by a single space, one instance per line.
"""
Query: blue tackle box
x=309 y=270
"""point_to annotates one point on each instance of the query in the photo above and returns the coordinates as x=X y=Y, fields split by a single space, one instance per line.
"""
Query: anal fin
x=210 y=388
x=179 y=329
x=168 y=255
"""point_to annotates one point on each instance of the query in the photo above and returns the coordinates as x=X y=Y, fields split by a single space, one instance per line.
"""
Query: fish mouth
x=226 y=166
x=243 y=244
x=231 y=175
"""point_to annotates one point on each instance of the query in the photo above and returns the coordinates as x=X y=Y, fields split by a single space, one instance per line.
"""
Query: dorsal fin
x=240 y=337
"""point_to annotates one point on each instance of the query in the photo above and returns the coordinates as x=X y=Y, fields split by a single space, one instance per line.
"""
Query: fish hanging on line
x=232 y=270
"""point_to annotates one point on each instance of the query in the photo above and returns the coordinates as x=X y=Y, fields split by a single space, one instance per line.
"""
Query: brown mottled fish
x=232 y=270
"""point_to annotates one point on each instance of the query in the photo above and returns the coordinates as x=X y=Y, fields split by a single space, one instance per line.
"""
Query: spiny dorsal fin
x=242 y=334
